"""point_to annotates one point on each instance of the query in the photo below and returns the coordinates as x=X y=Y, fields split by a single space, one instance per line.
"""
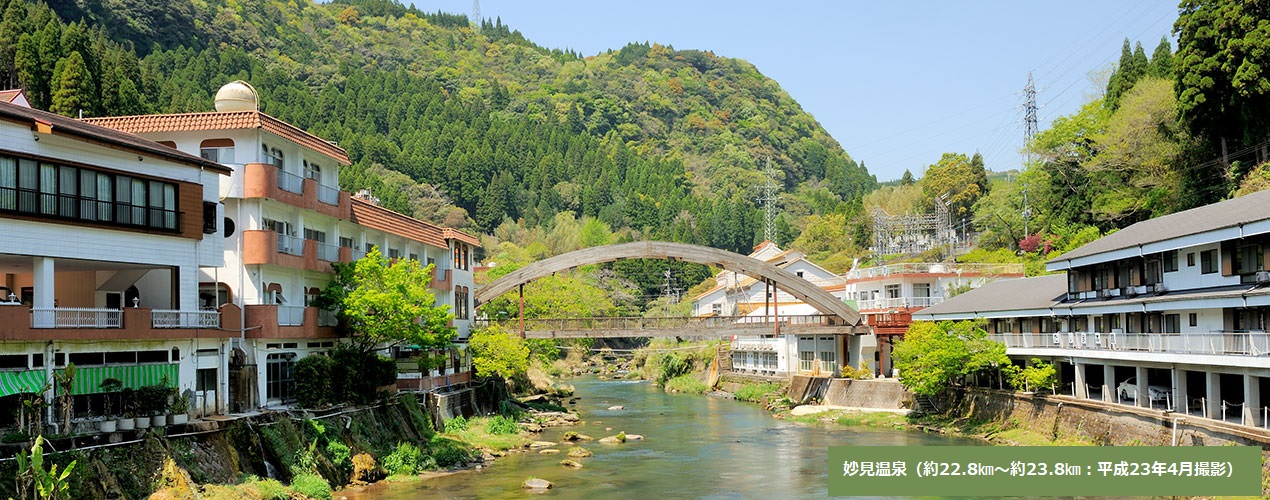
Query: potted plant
x=110 y=387
x=179 y=408
x=155 y=403
x=128 y=404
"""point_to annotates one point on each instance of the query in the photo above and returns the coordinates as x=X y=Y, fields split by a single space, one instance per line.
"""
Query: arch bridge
x=836 y=317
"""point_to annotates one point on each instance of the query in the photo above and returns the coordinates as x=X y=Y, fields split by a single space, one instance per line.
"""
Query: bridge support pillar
x=522 y=310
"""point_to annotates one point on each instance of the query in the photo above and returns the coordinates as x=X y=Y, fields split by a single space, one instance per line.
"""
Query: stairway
x=924 y=404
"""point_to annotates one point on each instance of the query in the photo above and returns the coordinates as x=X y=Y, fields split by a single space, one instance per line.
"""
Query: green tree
x=935 y=356
x=964 y=180
x=1162 y=60
x=388 y=302
x=497 y=352
x=907 y=178
x=72 y=88
x=1135 y=171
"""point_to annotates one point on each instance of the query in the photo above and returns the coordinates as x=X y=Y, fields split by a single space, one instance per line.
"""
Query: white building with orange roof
x=285 y=221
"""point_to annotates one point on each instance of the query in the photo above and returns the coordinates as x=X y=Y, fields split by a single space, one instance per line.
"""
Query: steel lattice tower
x=476 y=14
x=768 y=199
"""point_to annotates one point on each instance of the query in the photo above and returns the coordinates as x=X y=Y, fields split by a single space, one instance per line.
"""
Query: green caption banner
x=1044 y=470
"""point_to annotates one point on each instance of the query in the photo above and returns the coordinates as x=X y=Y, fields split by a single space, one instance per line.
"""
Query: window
x=315 y=235
x=921 y=289
x=1170 y=261
x=394 y=253
x=82 y=194
x=716 y=308
x=1172 y=324
x=271 y=156
x=805 y=360
x=1208 y=261
x=312 y=171
x=799 y=274
x=1190 y=259
x=892 y=291
x=461 y=307
x=217 y=150
x=209 y=217
x=347 y=242
x=280 y=227
x=279 y=381
x=414 y=257
x=827 y=361
x=1192 y=319
x=460 y=256
x=1248 y=259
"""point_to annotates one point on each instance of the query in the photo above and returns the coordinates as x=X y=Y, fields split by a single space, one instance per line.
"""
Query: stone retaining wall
x=1099 y=422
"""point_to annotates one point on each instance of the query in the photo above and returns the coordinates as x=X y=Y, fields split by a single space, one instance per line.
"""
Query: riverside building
x=1167 y=313
x=104 y=239
x=284 y=221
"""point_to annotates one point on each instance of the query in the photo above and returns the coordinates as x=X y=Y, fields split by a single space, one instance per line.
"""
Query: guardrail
x=1220 y=343
x=171 y=318
x=290 y=315
x=76 y=317
x=657 y=323
x=899 y=303
x=328 y=195
x=288 y=181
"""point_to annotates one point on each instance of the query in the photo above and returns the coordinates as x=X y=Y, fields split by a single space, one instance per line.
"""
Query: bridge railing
x=637 y=323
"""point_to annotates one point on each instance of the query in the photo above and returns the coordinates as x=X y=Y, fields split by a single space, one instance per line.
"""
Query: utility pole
x=768 y=199
x=1029 y=114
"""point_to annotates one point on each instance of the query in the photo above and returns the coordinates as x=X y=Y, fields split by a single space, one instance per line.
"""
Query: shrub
x=688 y=384
x=672 y=365
x=754 y=392
x=269 y=489
x=312 y=486
x=447 y=452
x=313 y=381
x=404 y=461
x=340 y=455
x=456 y=424
x=502 y=425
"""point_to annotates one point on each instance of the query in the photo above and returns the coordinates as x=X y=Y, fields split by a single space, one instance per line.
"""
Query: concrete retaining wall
x=878 y=393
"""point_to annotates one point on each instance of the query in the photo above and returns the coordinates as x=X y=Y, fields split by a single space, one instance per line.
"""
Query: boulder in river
x=548 y=451
x=579 y=452
x=617 y=407
x=571 y=463
x=534 y=483
x=634 y=437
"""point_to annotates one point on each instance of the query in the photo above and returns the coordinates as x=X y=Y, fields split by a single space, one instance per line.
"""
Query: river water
x=695 y=447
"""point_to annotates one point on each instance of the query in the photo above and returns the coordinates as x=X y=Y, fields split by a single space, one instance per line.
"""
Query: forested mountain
x=451 y=122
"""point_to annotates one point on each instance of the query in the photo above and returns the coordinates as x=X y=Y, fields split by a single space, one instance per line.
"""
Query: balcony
x=1209 y=343
x=169 y=318
x=262 y=180
x=271 y=321
x=94 y=324
x=898 y=303
x=329 y=253
x=76 y=317
x=441 y=280
x=262 y=246
x=935 y=268
x=291 y=245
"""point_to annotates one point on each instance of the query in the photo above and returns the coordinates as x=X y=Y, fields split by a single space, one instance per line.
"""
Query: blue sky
x=896 y=83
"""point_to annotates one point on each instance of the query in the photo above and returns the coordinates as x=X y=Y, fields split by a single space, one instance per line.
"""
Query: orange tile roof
x=233 y=120
x=49 y=123
x=376 y=217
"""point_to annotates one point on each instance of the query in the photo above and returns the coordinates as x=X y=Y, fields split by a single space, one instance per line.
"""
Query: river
x=695 y=447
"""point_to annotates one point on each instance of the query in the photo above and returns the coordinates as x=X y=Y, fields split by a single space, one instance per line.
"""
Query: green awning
x=88 y=379
x=20 y=382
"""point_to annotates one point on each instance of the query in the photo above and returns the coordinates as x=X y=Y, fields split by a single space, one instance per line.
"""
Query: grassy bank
x=676 y=366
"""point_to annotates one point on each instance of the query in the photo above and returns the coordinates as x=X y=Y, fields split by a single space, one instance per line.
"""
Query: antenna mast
x=769 y=203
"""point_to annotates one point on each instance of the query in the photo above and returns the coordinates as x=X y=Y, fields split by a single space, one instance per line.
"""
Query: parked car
x=1129 y=390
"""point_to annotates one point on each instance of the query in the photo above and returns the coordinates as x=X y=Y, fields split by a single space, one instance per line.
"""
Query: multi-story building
x=1172 y=308
x=284 y=222
x=104 y=237
x=887 y=296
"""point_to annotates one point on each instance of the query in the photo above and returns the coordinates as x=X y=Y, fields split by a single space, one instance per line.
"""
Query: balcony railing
x=76 y=317
x=328 y=195
x=292 y=245
x=327 y=318
x=658 y=323
x=329 y=253
x=1218 y=343
x=934 y=268
x=899 y=303
x=288 y=181
x=290 y=315
x=170 y=318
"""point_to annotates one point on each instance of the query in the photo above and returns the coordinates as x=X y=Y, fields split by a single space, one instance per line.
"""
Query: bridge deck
x=699 y=327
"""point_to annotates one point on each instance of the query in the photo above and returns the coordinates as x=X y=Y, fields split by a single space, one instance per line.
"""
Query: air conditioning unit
x=1263 y=277
x=1160 y=289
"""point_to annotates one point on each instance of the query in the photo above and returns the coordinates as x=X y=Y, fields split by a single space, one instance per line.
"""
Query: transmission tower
x=1029 y=112
x=669 y=289
x=768 y=199
x=476 y=14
